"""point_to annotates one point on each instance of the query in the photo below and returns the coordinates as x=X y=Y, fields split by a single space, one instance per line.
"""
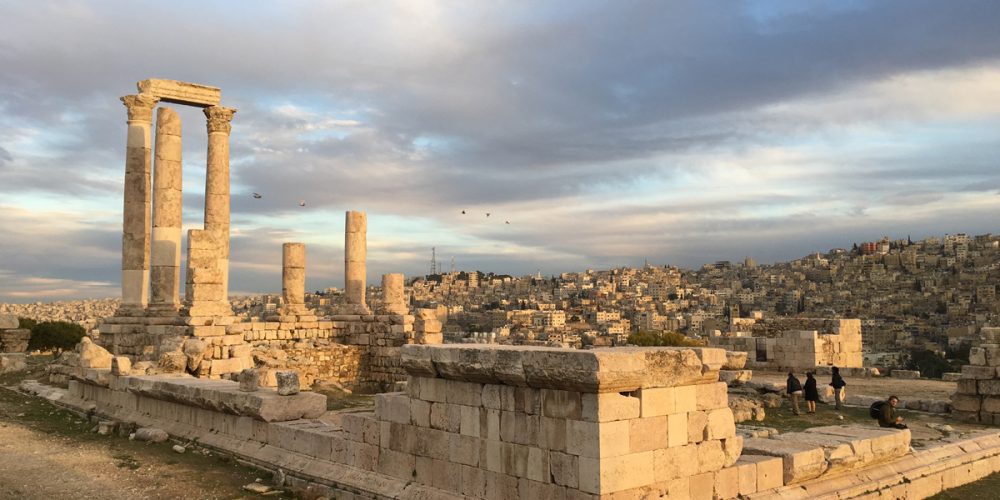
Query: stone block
x=979 y=372
x=965 y=403
x=711 y=456
x=677 y=429
x=489 y=426
x=746 y=477
x=702 y=486
x=720 y=424
x=463 y=393
x=564 y=469
x=611 y=474
x=420 y=413
x=191 y=94
x=609 y=407
x=288 y=382
x=800 y=462
x=711 y=396
x=726 y=483
x=396 y=464
x=469 y=421
x=674 y=463
x=463 y=449
x=735 y=360
x=647 y=434
x=393 y=407
x=977 y=356
x=656 y=401
x=769 y=470
x=988 y=387
x=121 y=365
x=697 y=421
x=597 y=440
x=685 y=399
x=561 y=404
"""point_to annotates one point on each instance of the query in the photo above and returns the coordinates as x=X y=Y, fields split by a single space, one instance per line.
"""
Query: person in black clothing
x=838 y=385
x=794 y=389
x=887 y=416
x=812 y=393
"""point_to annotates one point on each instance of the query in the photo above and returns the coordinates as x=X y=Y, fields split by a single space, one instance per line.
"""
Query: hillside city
x=934 y=294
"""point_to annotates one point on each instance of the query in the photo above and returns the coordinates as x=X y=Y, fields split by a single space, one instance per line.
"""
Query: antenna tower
x=434 y=262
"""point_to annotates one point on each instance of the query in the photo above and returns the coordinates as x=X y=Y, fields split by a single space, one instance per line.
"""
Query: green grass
x=988 y=487
x=785 y=421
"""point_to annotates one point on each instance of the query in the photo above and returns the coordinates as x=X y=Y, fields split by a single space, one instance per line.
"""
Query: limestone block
x=735 y=360
x=965 y=403
x=720 y=424
x=648 y=433
x=249 y=380
x=561 y=404
x=697 y=421
x=93 y=355
x=288 y=382
x=711 y=456
x=677 y=430
x=396 y=464
x=735 y=378
x=746 y=477
x=799 y=461
x=656 y=401
x=726 y=483
x=8 y=322
x=670 y=366
x=520 y=428
x=564 y=469
x=191 y=94
x=988 y=387
x=596 y=370
x=597 y=440
x=172 y=362
x=712 y=359
x=905 y=374
x=711 y=396
x=977 y=356
x=608 y=475
x=609 y=407
x=769 y=470
x=978 y=372
x=967 y=386
x=463 y=393
x=121 y=365
x=685 y=399
x=469 y=423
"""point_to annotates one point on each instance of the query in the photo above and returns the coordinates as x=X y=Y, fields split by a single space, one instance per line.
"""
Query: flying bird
x=257 y=196
x=463 y=212
x=506 y=222
x=302 y=203
x=487 y=214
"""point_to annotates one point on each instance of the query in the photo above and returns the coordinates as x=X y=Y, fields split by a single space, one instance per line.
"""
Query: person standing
x=794 y=389
x=838 y=385
x=812 y=393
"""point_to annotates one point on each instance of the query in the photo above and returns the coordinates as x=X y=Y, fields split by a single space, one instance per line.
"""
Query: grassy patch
x=785 y=421
x=36 y=370
x=984 y=488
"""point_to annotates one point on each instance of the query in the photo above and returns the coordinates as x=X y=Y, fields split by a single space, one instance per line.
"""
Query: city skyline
x=605 y=134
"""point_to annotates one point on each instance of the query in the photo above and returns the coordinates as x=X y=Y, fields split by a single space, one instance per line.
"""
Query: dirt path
x=875 y=386
x=48 y=453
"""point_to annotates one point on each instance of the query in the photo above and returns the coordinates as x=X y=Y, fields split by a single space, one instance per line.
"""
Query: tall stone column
x=355 y=252
x=217 y=184
x=135 y=221
x=393 y=298
x=166 y=250
x=293 y=278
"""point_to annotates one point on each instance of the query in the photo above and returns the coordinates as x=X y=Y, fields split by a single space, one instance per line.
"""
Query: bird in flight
x=302 y=203
x=257 y=196
x=506 y=222
x=463 y=212
x=487 y=214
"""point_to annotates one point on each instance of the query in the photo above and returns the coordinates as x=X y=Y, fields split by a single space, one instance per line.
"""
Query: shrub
x=55 y=335
x=26 y=323
x=928 y=363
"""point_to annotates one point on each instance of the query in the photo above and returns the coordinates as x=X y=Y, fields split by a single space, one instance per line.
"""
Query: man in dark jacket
x=887 y=417
x=794 y=389
x=838 y=385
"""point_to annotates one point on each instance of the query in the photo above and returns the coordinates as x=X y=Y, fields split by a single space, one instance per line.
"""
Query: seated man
x=887 y=416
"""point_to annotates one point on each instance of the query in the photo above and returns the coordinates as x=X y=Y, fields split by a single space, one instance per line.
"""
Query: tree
x=26 y=323
x=928 y=363
x=55 y=335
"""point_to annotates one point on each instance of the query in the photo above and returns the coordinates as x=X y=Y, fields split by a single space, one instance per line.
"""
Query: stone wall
x=977 y=398
x=800 y=343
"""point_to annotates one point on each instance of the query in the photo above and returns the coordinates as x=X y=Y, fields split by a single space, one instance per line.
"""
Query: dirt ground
x=50 y=453
x=874 y=386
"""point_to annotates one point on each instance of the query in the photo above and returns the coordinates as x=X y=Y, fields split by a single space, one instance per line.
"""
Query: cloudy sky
x=606 y=133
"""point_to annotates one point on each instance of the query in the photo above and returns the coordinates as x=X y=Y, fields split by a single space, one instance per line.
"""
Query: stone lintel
x=591 y=371
x=190 y=94
x=225 y=396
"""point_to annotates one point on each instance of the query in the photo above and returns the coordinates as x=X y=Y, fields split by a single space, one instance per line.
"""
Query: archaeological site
x=451 y=420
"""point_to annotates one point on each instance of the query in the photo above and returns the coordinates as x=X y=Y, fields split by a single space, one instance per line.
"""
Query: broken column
x=166 y=247
x=135 y=221
x=217 y=184
x=355 y=252
x=393 y=299
x=293 y=278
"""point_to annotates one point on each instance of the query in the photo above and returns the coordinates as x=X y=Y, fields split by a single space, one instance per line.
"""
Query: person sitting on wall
x=812 y=393
x=887 y=415
x=794 y=389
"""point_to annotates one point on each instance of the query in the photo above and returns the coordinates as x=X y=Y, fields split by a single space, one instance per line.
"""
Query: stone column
x=166 y=250
x=135 y=221
x=217 y=184
x=293 y=277
x=355 y=252
x=393 y=299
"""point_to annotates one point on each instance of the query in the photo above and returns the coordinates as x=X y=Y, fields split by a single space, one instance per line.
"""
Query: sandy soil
x=875 y=386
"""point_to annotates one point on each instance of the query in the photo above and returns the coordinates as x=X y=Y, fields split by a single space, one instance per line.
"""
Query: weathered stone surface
x=288 y=382
x=191 y=94
x=172 y=362
x=734 y=378
x=224 y=396
x=121 y=365
x=8 y=322
x=249 y=380
x=745 y=409
x=12 y=362
x=735 y=360
x=93 y=355
x=151 y=434
x=800 y=461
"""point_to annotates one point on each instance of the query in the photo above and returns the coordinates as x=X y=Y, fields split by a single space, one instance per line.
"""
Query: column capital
x=140 y=106
x=219 y=118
